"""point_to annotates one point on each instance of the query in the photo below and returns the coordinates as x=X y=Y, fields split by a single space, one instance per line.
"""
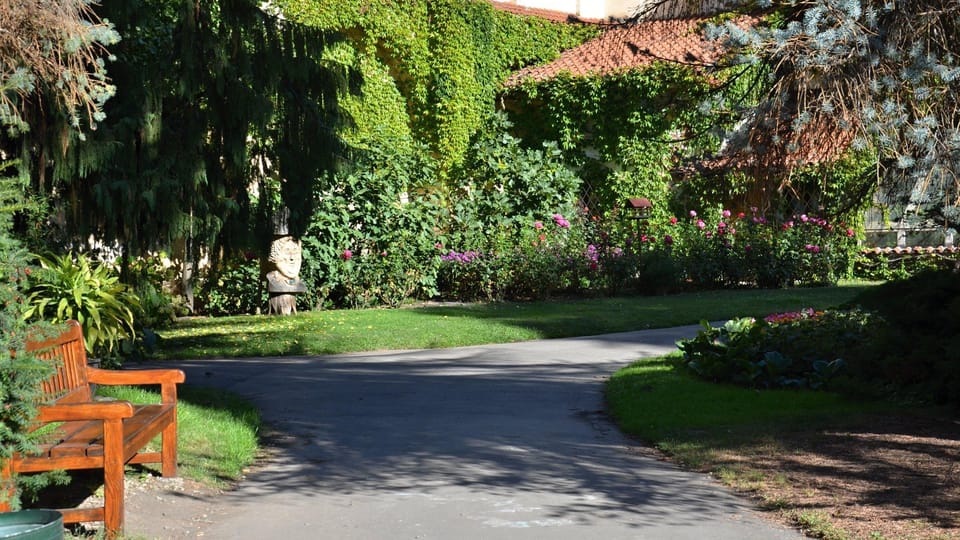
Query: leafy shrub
x=469 y=276
x=158 y=308
x=799 y=349
x=918 y=353
x=721 y=248
x=504 y=187
x=381 y=213
x=74 y=287
x=552 y=257
x=379 y=279
x=545 y=258
x=236 y=289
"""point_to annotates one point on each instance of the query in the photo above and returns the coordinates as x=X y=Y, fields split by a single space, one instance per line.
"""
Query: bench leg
x=168 y=450
x=113 y=489
x=7 y=486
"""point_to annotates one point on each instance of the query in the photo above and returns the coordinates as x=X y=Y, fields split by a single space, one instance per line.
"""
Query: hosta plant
x=74 y=287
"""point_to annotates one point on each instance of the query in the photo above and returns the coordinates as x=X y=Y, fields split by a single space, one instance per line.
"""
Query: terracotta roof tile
x=631 y=46
x=923 y=250
x=820 y=141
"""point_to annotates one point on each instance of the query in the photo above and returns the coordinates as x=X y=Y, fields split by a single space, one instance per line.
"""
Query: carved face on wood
x=287 y=255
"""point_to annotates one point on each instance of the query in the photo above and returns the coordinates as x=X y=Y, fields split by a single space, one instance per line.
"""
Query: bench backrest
x=69 y=382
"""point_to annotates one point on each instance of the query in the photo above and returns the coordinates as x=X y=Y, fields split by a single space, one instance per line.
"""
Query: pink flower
x=741 y=215
x=721 y=225
x=804 y=218
x=347 y=255
x=693 y=213
x=725 y=213
x=538 y=225
x=673 y=220
x=561 y=221
x=438 y=245
x=701 y=224
x=850 y=233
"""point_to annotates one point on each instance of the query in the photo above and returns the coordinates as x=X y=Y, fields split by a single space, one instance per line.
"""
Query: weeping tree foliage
x=883 y=74
x=53 y=49
x=224 y=112
x=51 y=52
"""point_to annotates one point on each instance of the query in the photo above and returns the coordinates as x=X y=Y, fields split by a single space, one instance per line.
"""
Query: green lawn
x=217 y=431
x=685 y=416
x=452 y=325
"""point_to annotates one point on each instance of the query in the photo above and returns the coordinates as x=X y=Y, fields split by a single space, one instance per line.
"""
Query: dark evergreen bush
x=920 y=351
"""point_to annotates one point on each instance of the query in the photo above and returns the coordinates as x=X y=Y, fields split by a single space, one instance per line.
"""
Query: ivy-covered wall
x=431 y=68
x=630 y=133
x=620 y=130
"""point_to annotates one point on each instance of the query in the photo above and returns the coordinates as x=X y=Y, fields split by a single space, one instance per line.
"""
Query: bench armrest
x=106 y=410
x=134 y=376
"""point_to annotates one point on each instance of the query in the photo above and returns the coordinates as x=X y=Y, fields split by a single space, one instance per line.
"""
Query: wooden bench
x=98 y=434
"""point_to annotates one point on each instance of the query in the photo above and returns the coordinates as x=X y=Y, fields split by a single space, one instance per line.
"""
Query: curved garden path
x=501 y=441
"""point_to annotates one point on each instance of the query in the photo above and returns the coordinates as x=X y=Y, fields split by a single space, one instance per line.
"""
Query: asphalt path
x=489 y=442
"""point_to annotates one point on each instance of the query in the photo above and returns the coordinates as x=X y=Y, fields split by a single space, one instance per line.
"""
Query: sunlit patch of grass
x=217 y=431
x=454 y=325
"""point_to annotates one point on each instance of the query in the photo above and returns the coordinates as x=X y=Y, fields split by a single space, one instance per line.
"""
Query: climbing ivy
x=633 y=133
x=626 y=131
x=433 y=67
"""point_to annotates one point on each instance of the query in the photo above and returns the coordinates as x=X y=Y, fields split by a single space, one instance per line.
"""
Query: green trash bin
x=31 y=525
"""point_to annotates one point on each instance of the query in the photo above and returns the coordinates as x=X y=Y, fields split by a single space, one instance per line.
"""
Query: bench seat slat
x=86 y=438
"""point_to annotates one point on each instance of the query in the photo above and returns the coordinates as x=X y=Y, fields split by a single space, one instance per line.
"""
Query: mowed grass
x=454 y=325
x=217 y=431
x=671 y=409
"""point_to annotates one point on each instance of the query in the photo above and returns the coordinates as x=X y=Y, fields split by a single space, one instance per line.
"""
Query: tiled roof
x=550 y=15
x=629 y=46
x=778 y=148
x=929 y=250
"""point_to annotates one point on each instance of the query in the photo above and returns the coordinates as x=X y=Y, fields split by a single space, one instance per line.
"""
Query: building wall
x=603 y=9
x=565 y=6
x=650 y=9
